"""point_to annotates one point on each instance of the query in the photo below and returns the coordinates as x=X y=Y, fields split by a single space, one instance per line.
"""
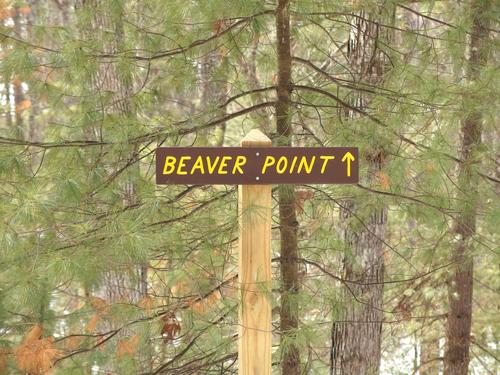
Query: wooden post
x=254 y=275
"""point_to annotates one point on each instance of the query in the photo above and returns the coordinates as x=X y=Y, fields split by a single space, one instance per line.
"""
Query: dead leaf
x=383 y=180
x=217 y=26
x=25 y=104
x=404 y=308
x=73 y=342
x=201 y=306
x=16 y=81
x=100 y=305
x=171 y=327
x=92 y=324
x=146 y=303
x=35 y=333
x=179 y=289
x=301 y=196
x=4 y=356
x=127 y=347
x=5 y=10
x=36 y=356
x=24 y=10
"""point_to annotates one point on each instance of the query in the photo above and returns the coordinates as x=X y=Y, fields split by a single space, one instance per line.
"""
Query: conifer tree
x=460 y=284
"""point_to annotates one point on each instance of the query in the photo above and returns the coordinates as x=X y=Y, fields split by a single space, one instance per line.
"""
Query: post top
x=255 y=138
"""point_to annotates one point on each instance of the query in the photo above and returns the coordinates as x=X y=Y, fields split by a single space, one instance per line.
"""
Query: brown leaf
x=146 y=303
x=127 y=347
x=16 y=81
x=179 y=289
x=404 y=308
x=90 y=327
x=35 y=333
x=73 y=342
x=37 y=356
x=4 y=356
x=100 y=305
x=25 y=104
x=301 y=196
x=171 y=327
x=5 y=10
x=201 y=306
x=24 y=10
x=383 y=180
x=217 y=26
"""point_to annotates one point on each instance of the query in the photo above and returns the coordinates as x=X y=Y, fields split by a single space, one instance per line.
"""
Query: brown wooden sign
x=256 y=165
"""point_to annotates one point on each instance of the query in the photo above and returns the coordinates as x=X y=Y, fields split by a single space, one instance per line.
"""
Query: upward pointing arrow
x=348 y=157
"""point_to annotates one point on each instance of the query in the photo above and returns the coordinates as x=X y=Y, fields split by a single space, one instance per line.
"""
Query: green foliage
x=81 y=217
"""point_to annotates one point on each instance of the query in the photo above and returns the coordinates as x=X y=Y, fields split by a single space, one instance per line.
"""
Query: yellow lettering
x=325 y=159
x=270 y=160
x=182 y=165
x=294 y=161
x=240 y=162
x=282 y=164
x=307 y=167
x=169 y=165
x=223 y=164
x=211 y=167
x=198 y=164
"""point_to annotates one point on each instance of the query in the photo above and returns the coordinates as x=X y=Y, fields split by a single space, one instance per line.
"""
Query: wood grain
x=255 y=331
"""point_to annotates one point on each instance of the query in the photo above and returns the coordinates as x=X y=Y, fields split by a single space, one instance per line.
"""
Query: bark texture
x=356 y=336
x=115 y=91
x=290 y=361
x=19 y=96
x=121 y=282
x=214 y=94
x=460 y=285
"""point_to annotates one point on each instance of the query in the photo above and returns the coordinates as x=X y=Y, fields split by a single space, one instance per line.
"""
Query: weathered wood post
x=255 y=330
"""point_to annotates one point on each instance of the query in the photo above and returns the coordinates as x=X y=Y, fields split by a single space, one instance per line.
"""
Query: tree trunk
x=290 y=361
x=213 y=96
x=116 y=92
x=17 y=84
x=460 y=284
x=356 y=336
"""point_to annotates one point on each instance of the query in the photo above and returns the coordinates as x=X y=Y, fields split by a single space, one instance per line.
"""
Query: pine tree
x=460 y=284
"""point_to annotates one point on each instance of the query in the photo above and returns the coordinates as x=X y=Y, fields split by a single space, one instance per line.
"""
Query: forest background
x=103 y=271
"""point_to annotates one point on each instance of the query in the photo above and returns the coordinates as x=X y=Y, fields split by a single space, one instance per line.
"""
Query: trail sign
x=254 y=167
x=257 y=165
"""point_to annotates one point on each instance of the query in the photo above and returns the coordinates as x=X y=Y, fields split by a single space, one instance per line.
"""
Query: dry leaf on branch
x=383 y=180
x=73 y=342
x=5 y=10
x=171 y=327
x=90 y=327
x=35 y=333
x=100 y=305
x=218 y=26
x=36 y=355
x=25 y=104
x=146 y=303
x=201 y=306
x=24 y=10
x=301 y=196
x=127 y=347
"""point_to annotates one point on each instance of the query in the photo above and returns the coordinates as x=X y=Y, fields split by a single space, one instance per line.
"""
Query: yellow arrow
x=349 y=157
